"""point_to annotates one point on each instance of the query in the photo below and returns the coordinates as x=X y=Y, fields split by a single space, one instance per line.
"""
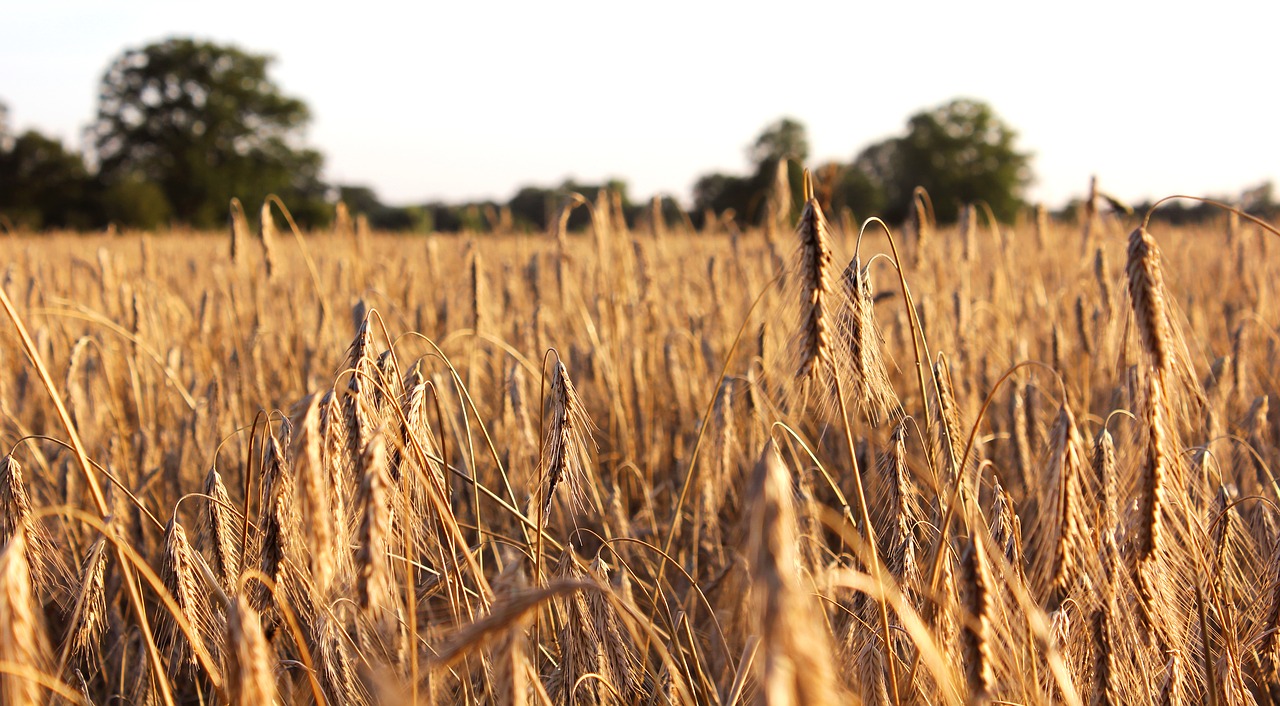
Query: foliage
x=205 y=123
x=6 y=136
x=135 y=203
x=42 y=185
x=960 y=152
x=721 y=192
x=364 y=201
x=786 y=138
x=858 y=191
x=748 y=196
x=535 y=206
x=1256 y=200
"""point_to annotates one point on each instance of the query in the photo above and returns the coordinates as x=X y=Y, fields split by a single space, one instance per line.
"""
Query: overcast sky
x=471 y=99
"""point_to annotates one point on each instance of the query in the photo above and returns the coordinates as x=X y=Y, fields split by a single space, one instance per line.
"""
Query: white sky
x=471 y=99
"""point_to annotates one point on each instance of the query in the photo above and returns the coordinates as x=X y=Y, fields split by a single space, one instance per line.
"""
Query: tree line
x=184 y=125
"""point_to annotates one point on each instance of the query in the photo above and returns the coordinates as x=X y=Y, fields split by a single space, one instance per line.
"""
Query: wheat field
x=644 y=466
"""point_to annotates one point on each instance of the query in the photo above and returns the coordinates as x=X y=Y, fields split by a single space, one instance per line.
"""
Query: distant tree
x=1257 y=200
x=533 y=207
x=447 y=218
x=873 y=184
x=858 y=191
x=360 y=199
x=420 y=219
x=6 y=134
x=363 y=200
x=42 y=185
x=205 y=123
x=136 y=203
x=721 y=192
x=1260 y=198
x=748 y=196
x=784 y=139
x=580 y=218
x=960 y=152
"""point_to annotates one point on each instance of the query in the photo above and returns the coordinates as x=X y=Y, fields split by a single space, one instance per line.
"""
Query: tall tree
x=960 y=152
x=204 y=123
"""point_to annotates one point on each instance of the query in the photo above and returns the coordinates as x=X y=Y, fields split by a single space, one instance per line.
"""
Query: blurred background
x=425 y=116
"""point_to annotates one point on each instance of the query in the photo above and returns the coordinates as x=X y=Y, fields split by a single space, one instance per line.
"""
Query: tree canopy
x=184 y=125
x=6 y=139
x=960 y=152
x=43 y=185
x=204 y=123
x=786 y=138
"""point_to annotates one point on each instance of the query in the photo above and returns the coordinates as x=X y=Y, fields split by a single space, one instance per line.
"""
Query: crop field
x=1016 y=464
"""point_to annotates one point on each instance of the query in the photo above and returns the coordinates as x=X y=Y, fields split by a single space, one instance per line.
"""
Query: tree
x=135 y=203
x=6 y=137
x=533 y=206
x=361 y=199
x=748 y=196
x=860 y=192
x=205 y=123
x=873 y=184
x=784 y=139
x=960 y=152
x=42 y=185
x=1260 y=198
x=722 y=192
x=536 y=207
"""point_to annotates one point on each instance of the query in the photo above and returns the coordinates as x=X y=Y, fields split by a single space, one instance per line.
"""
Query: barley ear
x=795 y=662
x=980 y=585
x=315 y=506
x=23 y=640
x=87 y=622
x=249 y=662
x=1147 y=296
x=815 y=292
x=373 y=579
x=220 y=530
x=178 y=571
x=565 y=451
x=267 y=237
x=44 y=562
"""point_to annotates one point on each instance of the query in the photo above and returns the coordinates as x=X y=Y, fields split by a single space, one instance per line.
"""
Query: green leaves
x=960 y=152
x=205 y=122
